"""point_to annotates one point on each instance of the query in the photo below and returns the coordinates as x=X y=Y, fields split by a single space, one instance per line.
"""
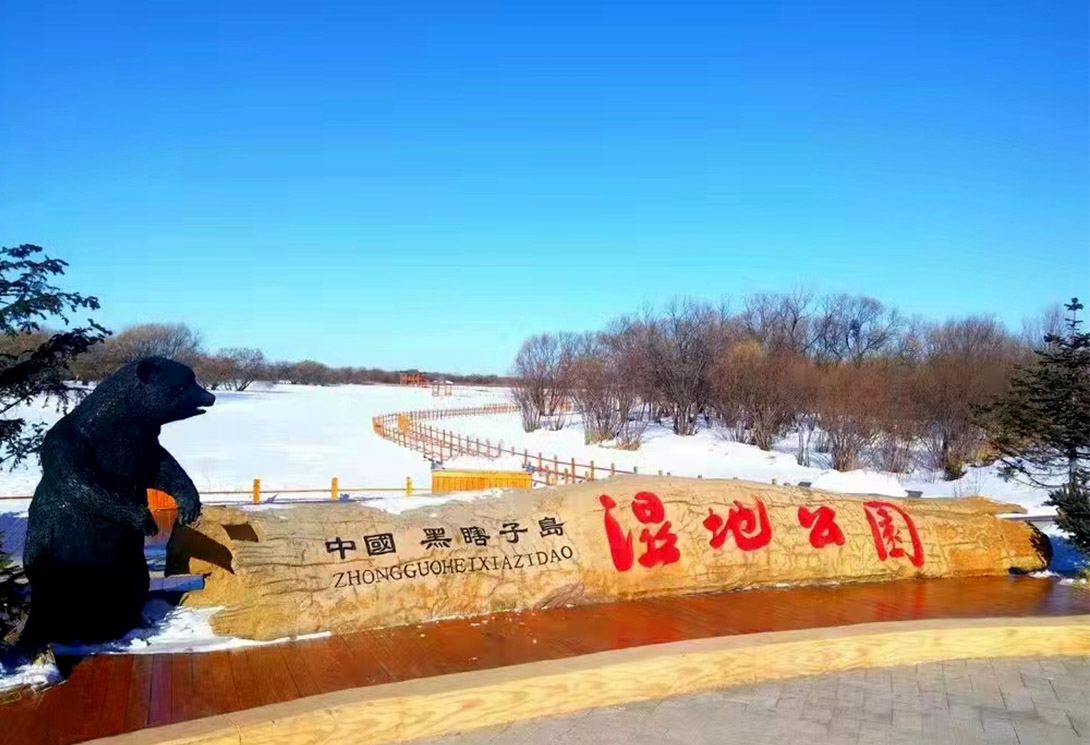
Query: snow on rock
x=166 y=629
x=395 y=505
x=860 y=482
x=169 y=628
x=34 y=675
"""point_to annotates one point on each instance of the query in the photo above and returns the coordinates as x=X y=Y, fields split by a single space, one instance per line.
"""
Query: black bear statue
x=84 y=553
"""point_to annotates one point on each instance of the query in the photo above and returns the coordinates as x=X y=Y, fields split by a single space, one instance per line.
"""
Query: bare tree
x=247 y=365
x=780 y=321
x=969 y=361
x=852 y=328
x=214 y=372
x=593 y=388
x=310 y=372
x=683 y=352
x=542 y=370
x=175 y=341
x=899 y=418
x=803 y=385
x=1047 y=323
x=525 y=398
x=750 y=386
x=848 y=398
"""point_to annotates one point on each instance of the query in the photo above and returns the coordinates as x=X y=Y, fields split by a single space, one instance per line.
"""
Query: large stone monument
x=84 y=552
x=343 y=567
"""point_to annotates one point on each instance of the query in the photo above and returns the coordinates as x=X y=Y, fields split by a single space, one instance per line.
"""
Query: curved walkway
x=1019 y=700
x=409 y=430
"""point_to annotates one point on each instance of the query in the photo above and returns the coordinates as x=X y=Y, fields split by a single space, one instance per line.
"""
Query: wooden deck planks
x=295 y=661
x=323 y=665
x=222 y=691
x=136 y=712
x=162 y=700
x=274 y=681
x=246 y=691
x=111 y=720
x=116 y=693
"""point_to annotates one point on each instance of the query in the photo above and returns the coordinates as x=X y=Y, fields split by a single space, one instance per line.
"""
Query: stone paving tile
x=1022 y=701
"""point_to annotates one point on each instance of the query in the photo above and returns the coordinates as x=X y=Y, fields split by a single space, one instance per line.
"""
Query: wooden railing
x=408 y=429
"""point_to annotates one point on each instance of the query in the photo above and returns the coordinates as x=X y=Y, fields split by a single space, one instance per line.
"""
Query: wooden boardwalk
x=111 y=694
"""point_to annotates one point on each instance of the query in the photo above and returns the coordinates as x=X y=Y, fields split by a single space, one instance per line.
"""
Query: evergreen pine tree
x=1041 y=428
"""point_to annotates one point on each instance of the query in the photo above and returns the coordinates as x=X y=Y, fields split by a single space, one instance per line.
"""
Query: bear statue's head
x=168 y=391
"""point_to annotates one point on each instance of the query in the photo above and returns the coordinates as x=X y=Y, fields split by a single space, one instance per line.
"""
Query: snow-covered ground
x=288 y=436
x=301 y=436
x=709 y=454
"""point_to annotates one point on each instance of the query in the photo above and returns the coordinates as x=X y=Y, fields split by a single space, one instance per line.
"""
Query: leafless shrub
x=780 y=363
x=175 y=341
x=214 y=372
x=1049 y=322
x=529 y=409
x=780 y=322
x=750 y=385
x=847 y=399
x=246 y=365
x=593 y=383
x=968 y=362
x=899 y=419
x=683 y=346
x=853 y=328
x=630 y=434
x=543 y=378
x=604 y=390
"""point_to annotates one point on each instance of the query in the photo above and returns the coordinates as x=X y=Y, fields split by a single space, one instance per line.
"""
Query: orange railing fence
x=158 y=500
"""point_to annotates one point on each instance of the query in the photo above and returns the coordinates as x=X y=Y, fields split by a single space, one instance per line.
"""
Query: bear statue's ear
x=144 y=369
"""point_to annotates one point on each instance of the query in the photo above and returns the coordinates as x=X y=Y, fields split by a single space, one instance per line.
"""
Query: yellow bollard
x=257 y=491
x=334 y=489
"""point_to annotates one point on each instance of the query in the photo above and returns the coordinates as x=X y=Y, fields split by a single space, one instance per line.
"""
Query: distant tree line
x=846 y=375
x=230 y=368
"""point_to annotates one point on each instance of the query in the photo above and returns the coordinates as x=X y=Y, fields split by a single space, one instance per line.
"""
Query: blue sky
x=414 y=184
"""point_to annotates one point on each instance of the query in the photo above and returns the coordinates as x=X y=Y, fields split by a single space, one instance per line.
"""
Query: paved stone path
x=1019 y=700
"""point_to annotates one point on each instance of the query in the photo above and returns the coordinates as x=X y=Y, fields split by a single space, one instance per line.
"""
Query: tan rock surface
x=341 y=566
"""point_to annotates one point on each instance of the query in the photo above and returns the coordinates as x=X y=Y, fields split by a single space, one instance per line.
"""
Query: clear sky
x=424 y=184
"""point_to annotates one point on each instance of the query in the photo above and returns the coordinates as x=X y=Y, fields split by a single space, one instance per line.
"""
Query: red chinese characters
x=750 y=526
x=660 y=546
x=889 y=525
x=822 y=524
